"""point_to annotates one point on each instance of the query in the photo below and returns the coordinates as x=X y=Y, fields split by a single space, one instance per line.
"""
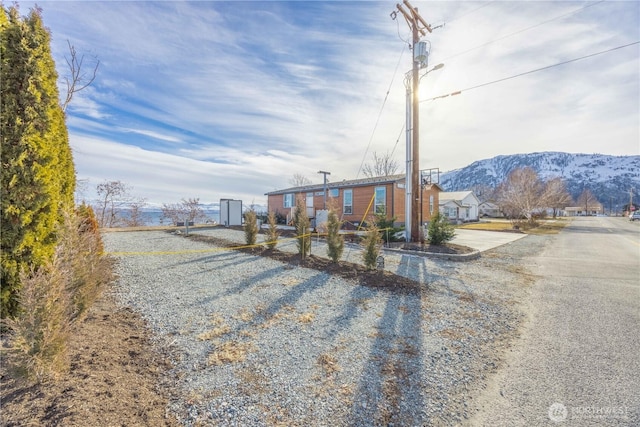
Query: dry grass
x=549 y=226
x=328 y=363
x=219 y=329
x=229 y=352
x=493 y=225
x=291 y=281
x=214 y=333
x=306 y=317
x=244 y=315
x=544 y=226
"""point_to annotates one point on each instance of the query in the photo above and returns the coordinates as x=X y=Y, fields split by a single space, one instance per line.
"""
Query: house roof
x=455 y=195
x=451 y=202
x=345 y=183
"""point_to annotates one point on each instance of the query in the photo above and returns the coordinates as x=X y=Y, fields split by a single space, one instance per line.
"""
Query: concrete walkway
x=484 y=240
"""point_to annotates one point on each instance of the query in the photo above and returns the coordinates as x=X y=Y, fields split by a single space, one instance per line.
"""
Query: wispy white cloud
x=232 y=98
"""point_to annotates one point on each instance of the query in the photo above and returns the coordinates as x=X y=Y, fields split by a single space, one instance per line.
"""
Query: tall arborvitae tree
x=38 y=177
x=335 y=240
x=302 y=224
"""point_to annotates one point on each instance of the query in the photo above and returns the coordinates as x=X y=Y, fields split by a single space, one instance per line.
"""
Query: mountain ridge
x=608 y=177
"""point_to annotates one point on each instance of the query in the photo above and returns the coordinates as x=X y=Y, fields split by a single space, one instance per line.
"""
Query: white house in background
x=459 y=205
x=594 y=210
x=489 y=209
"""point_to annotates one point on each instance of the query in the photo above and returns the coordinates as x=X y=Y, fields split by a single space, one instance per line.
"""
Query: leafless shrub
x=271 y=236
x=39 y=334
x=55 y=296
x=187 y=210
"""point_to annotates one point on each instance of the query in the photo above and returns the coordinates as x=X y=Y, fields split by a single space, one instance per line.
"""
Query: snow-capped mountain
x=608 y=177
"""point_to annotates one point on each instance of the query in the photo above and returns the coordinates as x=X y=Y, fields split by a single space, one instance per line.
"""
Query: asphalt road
x=577 y=362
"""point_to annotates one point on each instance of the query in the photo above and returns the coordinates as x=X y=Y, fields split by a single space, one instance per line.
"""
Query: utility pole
x=419 y=27
x=325 y=187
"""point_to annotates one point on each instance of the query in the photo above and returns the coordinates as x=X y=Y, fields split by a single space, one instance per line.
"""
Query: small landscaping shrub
x=272 y=231
x=302 y=224
x=440 y=230
x=335 y=241
x=387 y=228
x=250 y=227
x=372 y=243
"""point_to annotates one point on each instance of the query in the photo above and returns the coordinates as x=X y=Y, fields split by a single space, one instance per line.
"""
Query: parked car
x=634 y=215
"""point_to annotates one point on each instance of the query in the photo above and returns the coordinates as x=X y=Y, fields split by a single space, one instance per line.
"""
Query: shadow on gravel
x=246 y=283
x=358 y=298
x=390 y=390
x=288 y=299
x=347 y=270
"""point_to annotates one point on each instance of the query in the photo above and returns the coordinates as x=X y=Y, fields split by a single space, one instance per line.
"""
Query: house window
x=380 y=200
x=288 y=200
x=347 y=204
x=431 y=204
x=334 y=192
x=452 y=212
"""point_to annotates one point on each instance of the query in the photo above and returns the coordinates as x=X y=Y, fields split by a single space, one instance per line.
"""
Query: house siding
x=362 y=195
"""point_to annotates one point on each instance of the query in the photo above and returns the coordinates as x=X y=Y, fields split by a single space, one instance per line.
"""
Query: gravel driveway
x=258 y=342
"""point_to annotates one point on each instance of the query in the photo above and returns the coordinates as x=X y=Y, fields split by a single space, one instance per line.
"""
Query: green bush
x=387 y=228
x=302 y=224
x=440 y=230
x=372 y=243
x=38 y=177
x=335 y=240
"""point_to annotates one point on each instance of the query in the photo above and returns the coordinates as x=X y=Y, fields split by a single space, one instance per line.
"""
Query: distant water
x=154 y=217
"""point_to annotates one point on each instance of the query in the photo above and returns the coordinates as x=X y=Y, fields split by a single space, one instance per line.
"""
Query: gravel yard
x=260 y=342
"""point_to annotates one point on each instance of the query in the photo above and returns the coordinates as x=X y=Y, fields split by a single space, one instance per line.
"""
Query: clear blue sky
x=230 y=99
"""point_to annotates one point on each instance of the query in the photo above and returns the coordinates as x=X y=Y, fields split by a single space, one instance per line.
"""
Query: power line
x=395 y=72
x=458 y=92
x=471 y=11
x=522 y=30
x=397 y=140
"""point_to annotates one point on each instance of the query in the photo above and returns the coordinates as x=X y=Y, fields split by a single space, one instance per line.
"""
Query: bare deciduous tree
x=383 y=165
x=135 y=218
x=485 y=193
x=188 y=210
x=556 y=195
x=113 y=195
x=587 y=199
x=299 y=180
x=78 y=79
x=520 y=195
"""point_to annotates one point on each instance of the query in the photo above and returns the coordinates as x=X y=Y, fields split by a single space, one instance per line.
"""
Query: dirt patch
x=113 y=380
